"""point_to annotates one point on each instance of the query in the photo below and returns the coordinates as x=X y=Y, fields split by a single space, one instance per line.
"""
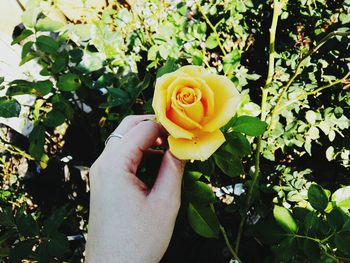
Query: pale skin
x=129 y=222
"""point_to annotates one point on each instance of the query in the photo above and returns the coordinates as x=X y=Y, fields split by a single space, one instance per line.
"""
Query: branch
x=329 y=85
x=212 y=27
x=277 y=8
x=296 y=73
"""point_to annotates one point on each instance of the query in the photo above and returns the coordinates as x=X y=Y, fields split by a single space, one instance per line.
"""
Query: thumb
x=168 y=182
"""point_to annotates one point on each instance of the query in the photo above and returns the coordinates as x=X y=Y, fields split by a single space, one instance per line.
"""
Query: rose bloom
x=192 y=105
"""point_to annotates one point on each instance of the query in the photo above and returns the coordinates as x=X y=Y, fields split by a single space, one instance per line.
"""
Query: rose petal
x=227 y=99
x=159 y=106
x=193 y=71
x=181 y=119
x=181 y=80
x=201 y=147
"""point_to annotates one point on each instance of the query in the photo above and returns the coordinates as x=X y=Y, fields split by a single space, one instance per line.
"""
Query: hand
x=129 y=222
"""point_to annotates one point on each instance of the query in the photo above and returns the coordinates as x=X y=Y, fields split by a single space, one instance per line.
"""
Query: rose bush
x=193 y=104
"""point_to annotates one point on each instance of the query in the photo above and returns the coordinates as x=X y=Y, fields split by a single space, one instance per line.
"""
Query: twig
x=212 y=27
x=299 y=65
x=227 y=241
x=329 y=85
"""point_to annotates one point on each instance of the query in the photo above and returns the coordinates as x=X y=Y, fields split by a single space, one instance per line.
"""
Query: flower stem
x=277 y=7
x=212 y=27
x=297 y=71
x=227 y=241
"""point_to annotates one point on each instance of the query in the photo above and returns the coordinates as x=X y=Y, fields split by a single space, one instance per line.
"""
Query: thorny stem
x=212 y=27
x=297 y=71
x=277 y=8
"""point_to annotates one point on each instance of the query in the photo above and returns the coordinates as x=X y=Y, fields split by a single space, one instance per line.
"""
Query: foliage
x=278 y=186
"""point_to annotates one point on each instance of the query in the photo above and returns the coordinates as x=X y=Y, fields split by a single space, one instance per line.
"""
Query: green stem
x=227 y=241
x=277 y=7
x=297 y=71
x=212 y=27
x=329 y=85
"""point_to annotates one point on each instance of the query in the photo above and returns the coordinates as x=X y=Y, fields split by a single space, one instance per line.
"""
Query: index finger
x=131 y=148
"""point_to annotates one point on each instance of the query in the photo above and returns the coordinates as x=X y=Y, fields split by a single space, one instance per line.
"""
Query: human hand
x=129 y=222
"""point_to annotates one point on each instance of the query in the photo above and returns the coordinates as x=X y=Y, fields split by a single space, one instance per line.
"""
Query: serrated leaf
x=249 y=125
x=317 y=197
x=285 y=219
x=203 y=220
x=9 y=107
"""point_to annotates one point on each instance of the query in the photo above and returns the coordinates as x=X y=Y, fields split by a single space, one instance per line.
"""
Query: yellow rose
x=192 y=105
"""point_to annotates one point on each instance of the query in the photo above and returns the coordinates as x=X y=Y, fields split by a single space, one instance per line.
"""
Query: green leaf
x=55 y=221
x=47 y=44
x=285 y=219
x=6 y=218
x=21 y=250
x=211 y=42
x=249 y=125
x=228 y=163
x=341 y=197
x=317 y=197
x=59 y=244
x=336 y=218
x=44 y=87
x=6 y=235
x=237 y=144
x=26 y=49
x=26 y=33
x=54 y=118
x=60 y=63
x=342 y=241
x=9 y=107
x=285 y=250
x=26 y=224
x=203 y=220
x=199 y=192
x=42 y=251
x=69 y=82
x=47 y=24
x=19 y=87
x=36 y=142
x=29 y=16
x=168 y=67
x=2 y=79
x=231 y=61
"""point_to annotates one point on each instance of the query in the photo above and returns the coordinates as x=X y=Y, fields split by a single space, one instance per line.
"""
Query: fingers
x=168 y=182
x=136 y=142
x=126 y=125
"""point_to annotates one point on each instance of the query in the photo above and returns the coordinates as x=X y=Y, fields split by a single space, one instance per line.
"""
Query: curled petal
x=159 y=106
x=201 y=147
x=226 y=101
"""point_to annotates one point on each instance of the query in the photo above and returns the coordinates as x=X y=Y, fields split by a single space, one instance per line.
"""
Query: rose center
x=187 y=96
